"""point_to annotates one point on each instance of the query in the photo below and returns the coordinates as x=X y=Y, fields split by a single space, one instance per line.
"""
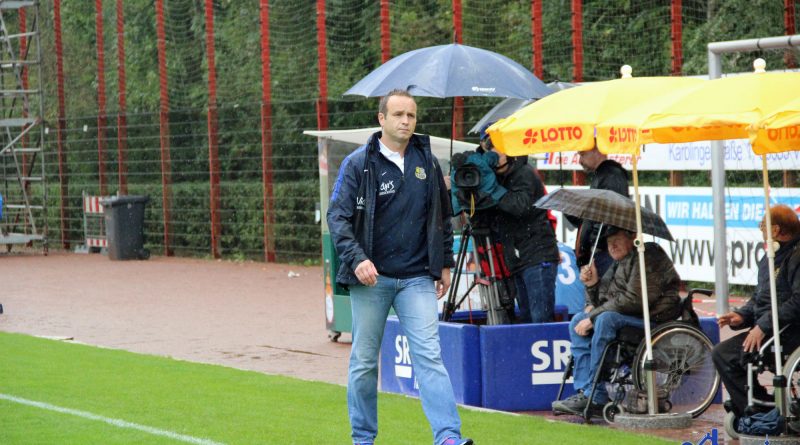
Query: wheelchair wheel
x=730 y=425
x=610 y=411
x=792 y=373
x=682 y=357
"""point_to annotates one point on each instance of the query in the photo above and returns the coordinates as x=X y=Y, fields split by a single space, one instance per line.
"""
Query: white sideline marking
x=111 y=421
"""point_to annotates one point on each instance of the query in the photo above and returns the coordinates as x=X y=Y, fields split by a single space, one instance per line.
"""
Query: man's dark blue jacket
x=351 y=214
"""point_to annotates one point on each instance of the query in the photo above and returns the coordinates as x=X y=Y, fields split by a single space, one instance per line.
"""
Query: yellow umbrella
x=720 y=109
x=778 y=132
x=715 y=110
x=565 y=121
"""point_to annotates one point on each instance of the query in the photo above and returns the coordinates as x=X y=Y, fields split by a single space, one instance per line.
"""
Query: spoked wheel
x=610 y=411
x=792 y=373
x=684 y=370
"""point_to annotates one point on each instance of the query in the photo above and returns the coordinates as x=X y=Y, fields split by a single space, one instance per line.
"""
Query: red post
x=457 y=130
x=788 y=23
x=577 y=40
x=62 y=126
x=537 y=30
x=676 y=12
x=163 y=120
x=102 y=121
x=213 y=141
x=386 y=34
x=122 y=121
x=322 y=56
x=266 y=137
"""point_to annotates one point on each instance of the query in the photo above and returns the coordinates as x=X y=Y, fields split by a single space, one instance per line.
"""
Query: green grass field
x=54 y=392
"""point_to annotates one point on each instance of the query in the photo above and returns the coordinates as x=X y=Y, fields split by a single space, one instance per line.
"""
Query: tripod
x=492 y=277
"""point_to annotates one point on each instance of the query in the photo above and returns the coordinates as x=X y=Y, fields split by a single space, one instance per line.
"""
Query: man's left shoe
x=454 y=441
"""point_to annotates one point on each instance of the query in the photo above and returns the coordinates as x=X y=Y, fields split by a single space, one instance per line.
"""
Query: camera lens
x=467 y=177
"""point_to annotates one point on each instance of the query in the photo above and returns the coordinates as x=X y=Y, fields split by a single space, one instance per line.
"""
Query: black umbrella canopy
x=450 y=71
x=510 y=105
x=604 y=206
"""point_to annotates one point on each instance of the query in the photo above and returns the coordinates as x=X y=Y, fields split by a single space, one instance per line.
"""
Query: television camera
x=474 y=192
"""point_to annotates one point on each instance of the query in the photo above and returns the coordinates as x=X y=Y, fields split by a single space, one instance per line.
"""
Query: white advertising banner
x=686 y=156
x=688 y=212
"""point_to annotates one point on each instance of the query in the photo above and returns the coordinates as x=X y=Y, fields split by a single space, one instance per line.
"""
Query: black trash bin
x=124 y=217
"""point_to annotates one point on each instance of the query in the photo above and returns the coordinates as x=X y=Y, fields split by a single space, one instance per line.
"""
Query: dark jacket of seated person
x=620 y=289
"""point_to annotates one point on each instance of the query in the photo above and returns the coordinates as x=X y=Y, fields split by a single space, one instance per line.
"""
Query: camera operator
x=529 y=242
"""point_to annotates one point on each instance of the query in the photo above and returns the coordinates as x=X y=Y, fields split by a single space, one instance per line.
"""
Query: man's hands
x=583 y=327
x=367 y=274
x=752 y=343
x=731 y=319
x=443 y=284
x=754 y=339
x=589 y=275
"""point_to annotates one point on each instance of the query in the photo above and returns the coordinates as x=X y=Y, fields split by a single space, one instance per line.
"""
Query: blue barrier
x=504 y=367
x=460 y=353
x=522 y=365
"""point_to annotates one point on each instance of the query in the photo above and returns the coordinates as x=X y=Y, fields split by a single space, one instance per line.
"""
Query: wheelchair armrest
x=771 y=340
x=706 y=292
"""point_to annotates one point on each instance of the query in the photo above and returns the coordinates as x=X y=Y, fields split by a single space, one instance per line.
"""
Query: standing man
x=529 y=243
x=389 y=217
x=608 y=175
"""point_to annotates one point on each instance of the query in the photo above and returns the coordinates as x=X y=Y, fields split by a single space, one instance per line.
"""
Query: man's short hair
x=382 y=107
x=784 y=217
x=613 y=230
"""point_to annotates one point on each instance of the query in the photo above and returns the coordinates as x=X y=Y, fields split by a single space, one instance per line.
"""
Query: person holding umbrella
x=389 y=218
x=613 y=302
x=607 y=175
x=755 y=315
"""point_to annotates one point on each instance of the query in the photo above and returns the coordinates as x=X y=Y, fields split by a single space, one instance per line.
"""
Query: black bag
x=636 y=401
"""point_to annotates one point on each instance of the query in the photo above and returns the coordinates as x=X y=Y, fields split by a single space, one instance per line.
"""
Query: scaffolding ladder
x=22 y=163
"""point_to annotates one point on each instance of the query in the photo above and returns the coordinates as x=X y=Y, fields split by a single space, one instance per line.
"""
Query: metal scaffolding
x=22 y=164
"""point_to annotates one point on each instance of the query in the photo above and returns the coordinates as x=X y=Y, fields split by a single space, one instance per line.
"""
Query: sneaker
x=574 y=404
x=454 y=441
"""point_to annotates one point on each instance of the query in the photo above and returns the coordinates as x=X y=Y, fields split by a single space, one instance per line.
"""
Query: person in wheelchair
x=730 y=356
x=613 y=302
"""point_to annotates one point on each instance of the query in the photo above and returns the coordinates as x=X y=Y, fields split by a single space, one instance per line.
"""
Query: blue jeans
x=536 y=292
x=587 y=351
x=414 y=302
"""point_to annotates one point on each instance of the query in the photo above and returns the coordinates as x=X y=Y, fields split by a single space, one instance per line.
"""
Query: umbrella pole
x=596 y=240
x=779 y=381
x=649 y=366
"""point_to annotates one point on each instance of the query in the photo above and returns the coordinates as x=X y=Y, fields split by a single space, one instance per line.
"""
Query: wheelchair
x=686 y=379
x=763 y=362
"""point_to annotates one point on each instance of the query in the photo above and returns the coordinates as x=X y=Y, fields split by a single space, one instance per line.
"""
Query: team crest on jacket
x=419 y=172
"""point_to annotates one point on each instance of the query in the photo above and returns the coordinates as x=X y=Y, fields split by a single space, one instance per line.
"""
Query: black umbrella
x=606 y=207
x=510 y=105
x=452 y=70
x=449 y=71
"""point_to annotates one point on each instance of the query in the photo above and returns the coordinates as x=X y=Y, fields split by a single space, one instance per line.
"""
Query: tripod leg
x=496 y=314
x=450 y=306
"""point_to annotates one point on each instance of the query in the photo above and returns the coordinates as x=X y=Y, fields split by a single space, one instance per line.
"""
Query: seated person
x=613 y=302
x=756 y=315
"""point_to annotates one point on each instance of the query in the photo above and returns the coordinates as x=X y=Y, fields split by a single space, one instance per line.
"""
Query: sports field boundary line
x=111 y=421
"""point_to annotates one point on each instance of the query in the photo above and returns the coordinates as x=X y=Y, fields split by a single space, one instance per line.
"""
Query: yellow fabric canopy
x=778 y=132
x=715 y=110
x=565 y=121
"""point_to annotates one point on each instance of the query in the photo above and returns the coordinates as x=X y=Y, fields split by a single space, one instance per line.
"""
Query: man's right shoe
x=454 y=441
x=574 y=404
